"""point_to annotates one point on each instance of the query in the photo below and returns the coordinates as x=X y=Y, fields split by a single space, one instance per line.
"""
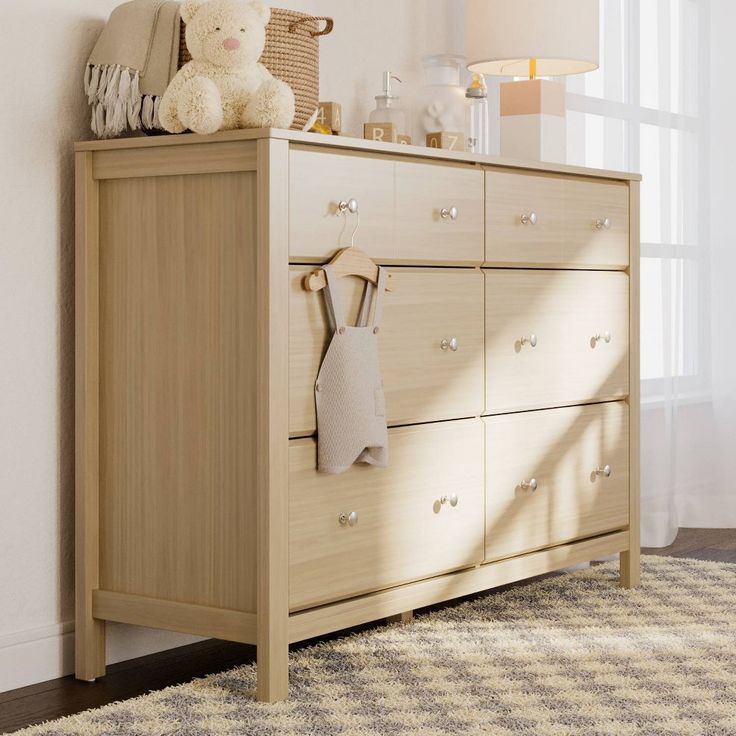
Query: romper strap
x=365 y=306
x=380 y=291
x=332 y=299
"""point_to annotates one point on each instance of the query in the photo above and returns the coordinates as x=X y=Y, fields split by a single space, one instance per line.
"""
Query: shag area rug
x=570 y=655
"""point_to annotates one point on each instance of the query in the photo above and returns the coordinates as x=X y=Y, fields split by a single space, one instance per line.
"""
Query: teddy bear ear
x=262 y=10
x=189 y=9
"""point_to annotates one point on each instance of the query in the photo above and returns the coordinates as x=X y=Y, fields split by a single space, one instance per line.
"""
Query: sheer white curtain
x=648 y=109
x=663 y=103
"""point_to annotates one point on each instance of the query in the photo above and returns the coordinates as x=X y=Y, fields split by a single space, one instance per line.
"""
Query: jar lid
x=443 y=69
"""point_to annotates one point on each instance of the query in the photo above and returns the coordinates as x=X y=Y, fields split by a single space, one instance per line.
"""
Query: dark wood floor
x=56 y=698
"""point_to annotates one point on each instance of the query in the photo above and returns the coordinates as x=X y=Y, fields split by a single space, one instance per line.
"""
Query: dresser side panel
x=178 y=388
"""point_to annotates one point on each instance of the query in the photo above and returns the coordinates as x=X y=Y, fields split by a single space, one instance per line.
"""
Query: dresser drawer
x=400 y=204
x=401 y=530
x=318 y=182
x=422 y=382
x=564 y=311
x=558 y=451
x=597 y=223
x=513 y=201
x=439 y=214
x=539 y=219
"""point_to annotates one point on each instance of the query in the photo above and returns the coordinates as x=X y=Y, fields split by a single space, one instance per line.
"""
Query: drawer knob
x=451 y=499
x=531 y=340
x=529 y=219
x=605 y=471
x=349 y=519
x=451 y=212
x=605 y=336
x=451 y=344
x=604 y=224
x=348 y=205
x=529 y=484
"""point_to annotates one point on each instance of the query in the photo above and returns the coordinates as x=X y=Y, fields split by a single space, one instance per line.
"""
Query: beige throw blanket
x=131 y=65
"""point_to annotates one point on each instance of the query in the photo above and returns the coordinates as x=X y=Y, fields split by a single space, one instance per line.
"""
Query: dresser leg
x=630 y=569
x=272 y=672
x=272 y=419
x=401 y=618
x=89 y=637
x=89 y=648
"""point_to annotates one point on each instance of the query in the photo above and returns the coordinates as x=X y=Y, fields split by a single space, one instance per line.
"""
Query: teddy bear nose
x=231 y=44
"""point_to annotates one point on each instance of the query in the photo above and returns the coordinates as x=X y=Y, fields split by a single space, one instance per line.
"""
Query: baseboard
x=128 y=642
x=36 y=655
x=41 y=654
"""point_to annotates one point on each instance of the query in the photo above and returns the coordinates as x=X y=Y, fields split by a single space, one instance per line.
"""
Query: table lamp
x=532 y=38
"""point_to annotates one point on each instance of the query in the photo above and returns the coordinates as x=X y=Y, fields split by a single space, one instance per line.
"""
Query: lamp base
x=533 y=124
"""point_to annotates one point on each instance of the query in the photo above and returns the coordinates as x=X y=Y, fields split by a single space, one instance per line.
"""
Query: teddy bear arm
x=168 y=114
x=199 y=105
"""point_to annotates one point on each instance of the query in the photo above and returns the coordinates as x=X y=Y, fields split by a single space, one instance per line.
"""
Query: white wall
x=370 y=37
x=42 y=112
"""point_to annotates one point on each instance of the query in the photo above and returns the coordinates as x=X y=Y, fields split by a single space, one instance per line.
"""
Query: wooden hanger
x=348 y=262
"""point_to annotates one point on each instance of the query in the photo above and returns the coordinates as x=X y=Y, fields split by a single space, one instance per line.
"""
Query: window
x=640 y=111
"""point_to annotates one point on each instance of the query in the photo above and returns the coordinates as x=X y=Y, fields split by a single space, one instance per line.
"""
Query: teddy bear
x=224 y=87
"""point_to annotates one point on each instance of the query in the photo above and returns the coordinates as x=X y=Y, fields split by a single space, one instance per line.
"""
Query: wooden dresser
x=509 y=355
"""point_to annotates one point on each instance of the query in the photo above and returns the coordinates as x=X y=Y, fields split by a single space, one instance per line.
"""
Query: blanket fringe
x=114 y=96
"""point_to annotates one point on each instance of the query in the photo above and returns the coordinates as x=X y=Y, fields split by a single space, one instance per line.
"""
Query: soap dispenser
x=387 y=106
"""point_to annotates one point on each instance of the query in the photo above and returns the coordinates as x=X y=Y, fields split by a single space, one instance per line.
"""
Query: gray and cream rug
x=570 y=655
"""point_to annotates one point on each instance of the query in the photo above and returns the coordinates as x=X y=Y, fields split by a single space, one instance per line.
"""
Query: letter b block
x=385 y=132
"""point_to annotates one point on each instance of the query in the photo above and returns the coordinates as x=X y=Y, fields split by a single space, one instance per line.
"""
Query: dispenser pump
x=387 y=108
x=387 y=77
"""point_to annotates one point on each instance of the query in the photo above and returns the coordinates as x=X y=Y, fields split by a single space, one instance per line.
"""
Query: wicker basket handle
x=329 y=25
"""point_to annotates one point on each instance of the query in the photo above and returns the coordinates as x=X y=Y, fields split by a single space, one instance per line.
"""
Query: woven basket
x=291 y=54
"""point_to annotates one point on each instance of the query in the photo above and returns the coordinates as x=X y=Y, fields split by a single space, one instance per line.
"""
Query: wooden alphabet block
x=385 y=132
x=329 y=114
x=405 y=140
x=448 y=140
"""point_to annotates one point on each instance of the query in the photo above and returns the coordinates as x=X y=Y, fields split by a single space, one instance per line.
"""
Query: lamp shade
x=503 y=36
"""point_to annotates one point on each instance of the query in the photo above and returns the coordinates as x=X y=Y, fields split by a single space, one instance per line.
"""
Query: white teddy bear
x=224 y=87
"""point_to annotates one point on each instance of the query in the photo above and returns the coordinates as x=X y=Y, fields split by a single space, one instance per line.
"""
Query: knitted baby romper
x=351 y=413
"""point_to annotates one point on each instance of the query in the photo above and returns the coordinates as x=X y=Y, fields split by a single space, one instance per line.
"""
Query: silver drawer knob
x=451 y=344
x=451 y=212
x=529 y=484
x=605 y=471
x=531 y=340
x=605 y=336
x=529 y=219
x=349 y=519
x=451 y=499
x=348 y=205
x=604 y=224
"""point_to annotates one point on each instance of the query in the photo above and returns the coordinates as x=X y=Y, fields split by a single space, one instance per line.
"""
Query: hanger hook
x=355 y=229
x=350 y=207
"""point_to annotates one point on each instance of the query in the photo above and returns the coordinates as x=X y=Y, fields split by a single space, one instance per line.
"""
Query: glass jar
x=440 y=103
